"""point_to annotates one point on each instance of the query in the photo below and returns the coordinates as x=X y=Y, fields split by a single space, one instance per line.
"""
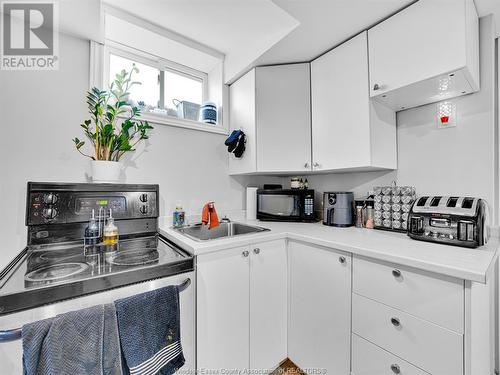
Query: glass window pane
x=182 y=88
x=149 y=89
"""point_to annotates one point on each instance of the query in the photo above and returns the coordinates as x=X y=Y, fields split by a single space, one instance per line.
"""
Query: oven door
x=279 y=207
x=11 y=352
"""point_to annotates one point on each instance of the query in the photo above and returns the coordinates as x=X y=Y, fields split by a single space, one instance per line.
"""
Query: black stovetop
x=49 y=273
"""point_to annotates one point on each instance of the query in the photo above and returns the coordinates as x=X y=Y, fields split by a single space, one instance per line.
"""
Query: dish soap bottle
x=179 y=216
x=110 y=232
x=92 y=237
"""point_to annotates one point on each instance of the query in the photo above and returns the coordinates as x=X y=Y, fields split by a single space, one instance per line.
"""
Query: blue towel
x=79 y=342
x=149 y=327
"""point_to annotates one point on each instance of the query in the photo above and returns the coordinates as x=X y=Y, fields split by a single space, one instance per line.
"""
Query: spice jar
x=369 y=215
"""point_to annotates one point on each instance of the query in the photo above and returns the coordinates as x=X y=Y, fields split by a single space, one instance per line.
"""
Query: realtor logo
x=29 y=36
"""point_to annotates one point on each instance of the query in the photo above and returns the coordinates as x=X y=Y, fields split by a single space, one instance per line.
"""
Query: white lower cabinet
x=426 y=345
x=242 y=308
x=223 y=310
x=369 y=359
x=331 y=312
x=319 y=328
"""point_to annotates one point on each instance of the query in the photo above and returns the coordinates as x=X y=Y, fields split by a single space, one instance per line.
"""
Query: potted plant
x=113 y=129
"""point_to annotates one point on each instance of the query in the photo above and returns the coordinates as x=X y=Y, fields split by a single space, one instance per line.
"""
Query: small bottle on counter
x=294 y=183
x=306 y=184
x=110 y=234
x=92 y=235
x=359 y=214
x=179 y=216
x=370 y=215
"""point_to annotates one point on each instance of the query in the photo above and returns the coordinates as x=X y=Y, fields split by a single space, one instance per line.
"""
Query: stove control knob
x=143 y=197
x=143 y=209
x=450 y=236
x=49 y=213
x=50 y=198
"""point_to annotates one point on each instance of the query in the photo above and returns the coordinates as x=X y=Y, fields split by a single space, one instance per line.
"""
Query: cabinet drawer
x=426 y=345
x=436 y=298
x=369 y=359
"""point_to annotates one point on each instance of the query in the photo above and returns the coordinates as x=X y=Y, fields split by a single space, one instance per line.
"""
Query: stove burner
x=56 y=272
x=134 y=257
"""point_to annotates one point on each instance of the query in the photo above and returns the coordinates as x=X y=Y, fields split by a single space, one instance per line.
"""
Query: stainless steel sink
x=200 y=232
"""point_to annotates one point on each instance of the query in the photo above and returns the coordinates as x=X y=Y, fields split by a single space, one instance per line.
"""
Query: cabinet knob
x=246 y=253
x=395 y=369
x=342 y=259
x=256 y=250
x=395 y=322
x=396 y=273
x=376 y=87
x=306 y=165
x=316 y=165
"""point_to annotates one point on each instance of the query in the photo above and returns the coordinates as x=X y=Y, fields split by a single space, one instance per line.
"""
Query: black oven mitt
x=236 y=143
x=232 y=141
x=240 y=147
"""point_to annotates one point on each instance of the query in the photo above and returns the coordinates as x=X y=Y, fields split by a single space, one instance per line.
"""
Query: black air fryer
x=338 y=209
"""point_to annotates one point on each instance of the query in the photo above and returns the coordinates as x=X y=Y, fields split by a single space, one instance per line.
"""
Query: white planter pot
x=105 y=171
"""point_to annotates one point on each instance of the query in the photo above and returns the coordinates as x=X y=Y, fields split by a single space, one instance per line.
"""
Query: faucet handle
x=225 y=219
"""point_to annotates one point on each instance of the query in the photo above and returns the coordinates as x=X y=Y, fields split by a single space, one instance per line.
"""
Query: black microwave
x=285 y=205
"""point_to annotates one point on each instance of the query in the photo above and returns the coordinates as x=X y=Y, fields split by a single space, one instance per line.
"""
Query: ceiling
x=263 y=32
x=485 y=7
x=241 y=29
x=325 y=24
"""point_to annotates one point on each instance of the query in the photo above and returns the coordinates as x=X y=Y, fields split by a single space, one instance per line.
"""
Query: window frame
x=111 y=47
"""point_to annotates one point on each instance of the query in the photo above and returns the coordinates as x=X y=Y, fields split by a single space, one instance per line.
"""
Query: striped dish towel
x=149 y=328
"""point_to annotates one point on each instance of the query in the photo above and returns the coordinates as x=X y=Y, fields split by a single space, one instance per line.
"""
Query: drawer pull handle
x=342 y=260
x=395 y=322
x=395 y=369
x=396 y=273
x=245 y=253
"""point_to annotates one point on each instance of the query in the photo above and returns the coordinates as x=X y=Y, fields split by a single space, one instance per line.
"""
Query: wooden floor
x=287 y=367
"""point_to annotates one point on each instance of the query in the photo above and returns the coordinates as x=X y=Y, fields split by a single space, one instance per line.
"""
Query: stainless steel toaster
x=460 y=221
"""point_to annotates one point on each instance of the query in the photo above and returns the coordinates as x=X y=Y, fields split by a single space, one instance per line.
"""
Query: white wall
x=41 y=113
x=459 y=160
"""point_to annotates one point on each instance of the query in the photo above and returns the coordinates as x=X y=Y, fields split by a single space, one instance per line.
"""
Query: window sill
x=182 y=123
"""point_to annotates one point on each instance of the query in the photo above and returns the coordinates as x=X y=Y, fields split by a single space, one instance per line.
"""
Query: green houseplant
x=113 y=129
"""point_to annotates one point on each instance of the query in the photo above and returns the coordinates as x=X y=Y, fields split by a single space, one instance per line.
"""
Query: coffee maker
x=338 y=209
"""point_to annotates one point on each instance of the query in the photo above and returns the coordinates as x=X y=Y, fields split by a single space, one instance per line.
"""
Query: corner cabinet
x=349 y=131
x=271 y=105
x=242 y=308
x=426 y=53
x=319 y=333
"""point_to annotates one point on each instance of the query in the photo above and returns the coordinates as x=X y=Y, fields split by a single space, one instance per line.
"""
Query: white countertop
x=468 y=264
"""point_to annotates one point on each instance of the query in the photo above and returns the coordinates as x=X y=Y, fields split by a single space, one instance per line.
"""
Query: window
x=165 y=89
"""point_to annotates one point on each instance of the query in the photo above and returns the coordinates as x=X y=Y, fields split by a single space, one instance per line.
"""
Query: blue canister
x=208 y=113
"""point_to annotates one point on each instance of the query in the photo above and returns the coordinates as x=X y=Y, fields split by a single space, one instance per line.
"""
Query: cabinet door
x=268 y=305
x=242 y=116
x=425 y=40
x=223 y=310
x=340 y=107
x=320 y=308
x=283 y=116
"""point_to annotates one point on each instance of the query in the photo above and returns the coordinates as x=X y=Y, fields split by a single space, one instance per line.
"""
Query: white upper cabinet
x=272 y=106
x=426 y=53
x=349 y=131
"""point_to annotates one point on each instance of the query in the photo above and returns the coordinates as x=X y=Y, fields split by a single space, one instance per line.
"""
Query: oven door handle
x=16 y=334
